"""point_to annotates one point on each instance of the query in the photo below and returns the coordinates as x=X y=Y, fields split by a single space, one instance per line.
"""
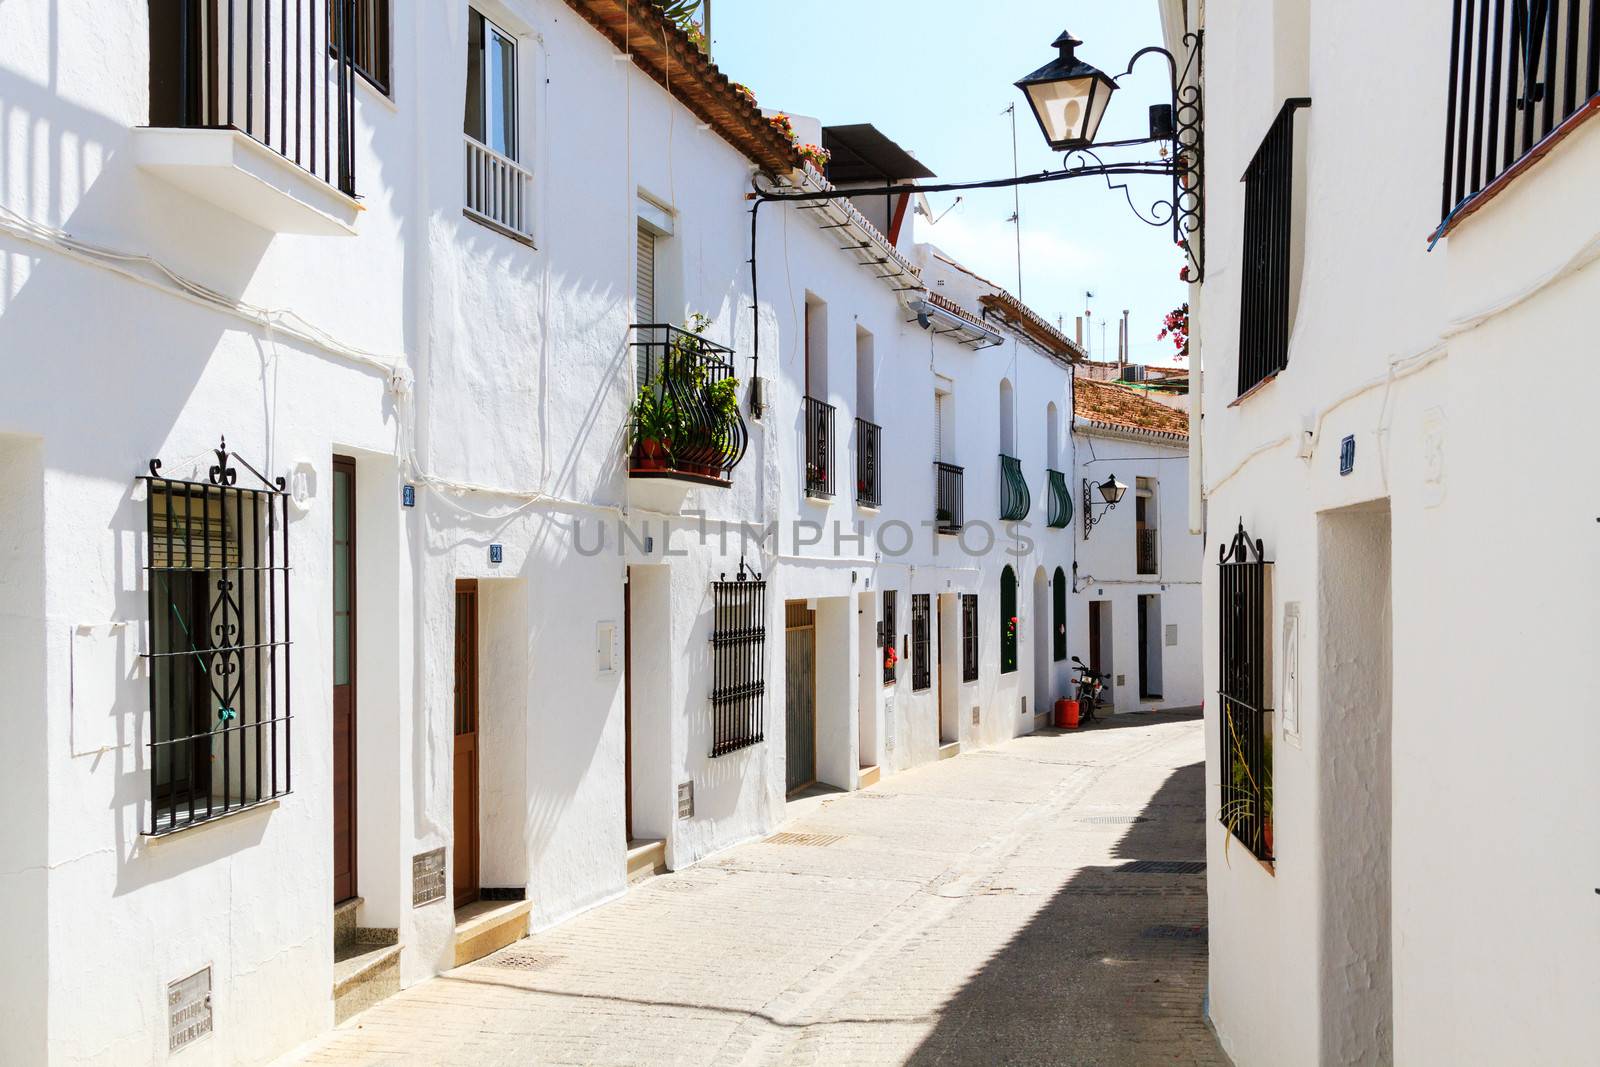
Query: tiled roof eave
x=1083 y=424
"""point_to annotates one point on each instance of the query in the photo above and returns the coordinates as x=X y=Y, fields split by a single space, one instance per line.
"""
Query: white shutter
x=938 y=426
x=645 y=281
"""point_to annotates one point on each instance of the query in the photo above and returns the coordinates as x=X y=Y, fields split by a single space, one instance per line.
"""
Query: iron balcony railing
x=685 y=418
x=819 y=447
x=869 y=494
x=499 y=189
x=1015 y=500
x=1148 y=542
x=1519 y=69
x=1060 y=500
x=949 y=507
x=1268 y=240
x=266 y=69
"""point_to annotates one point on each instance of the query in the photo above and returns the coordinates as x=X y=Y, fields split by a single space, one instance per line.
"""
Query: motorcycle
x=1089 y=686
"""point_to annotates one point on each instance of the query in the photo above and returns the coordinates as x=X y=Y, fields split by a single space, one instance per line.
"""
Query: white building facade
x=382 y=577
x=1401 y=744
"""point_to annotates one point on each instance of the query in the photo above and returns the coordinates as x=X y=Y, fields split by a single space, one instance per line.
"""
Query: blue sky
x=936 y=76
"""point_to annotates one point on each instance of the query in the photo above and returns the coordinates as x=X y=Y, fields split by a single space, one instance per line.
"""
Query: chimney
x=1080 y=331
x=1122 y=344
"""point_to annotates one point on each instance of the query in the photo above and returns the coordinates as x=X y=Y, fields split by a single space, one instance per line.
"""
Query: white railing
x=499 y=189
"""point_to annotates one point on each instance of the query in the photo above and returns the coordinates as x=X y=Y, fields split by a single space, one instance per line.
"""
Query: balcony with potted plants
x=685 y=424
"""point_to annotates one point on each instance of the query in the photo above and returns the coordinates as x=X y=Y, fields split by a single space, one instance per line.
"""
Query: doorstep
x=484 y=926
x=949 y=749
x=646 y=859
x=868 y=777
x=366 y=962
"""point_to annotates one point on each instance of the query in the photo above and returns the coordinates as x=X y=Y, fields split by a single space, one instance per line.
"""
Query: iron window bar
x=1267 y=260
x=268 y=70
x=1147 y=544
x=686 y=420
x=921 y=643
x=969 y=637
x=891 y=634
x=1519 y=70
x=869 y=493
x=948 y=501
x=369 y=34
x=1060 y=500
x=738 y=661
x=1015 y=500
x=1245 y=721
x=217 y=587
x=819 y=447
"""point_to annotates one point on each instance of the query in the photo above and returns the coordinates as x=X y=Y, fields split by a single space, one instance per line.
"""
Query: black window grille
x=921 y=643
x=1268 y=248
x=1058 y=628
x=217 y=582
x=891 y=637
x=1015 y=500
x=1246 y=742
x=949 y=504
x=969 y=637
x=819 y=447
x=1519 y=70
x=368 y=23
x=1008 y=620
x=738 y=662
x=266 y=69
x=869 y=494
x=1060 y=500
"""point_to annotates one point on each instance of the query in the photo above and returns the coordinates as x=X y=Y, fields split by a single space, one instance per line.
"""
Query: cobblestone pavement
x=977 y=910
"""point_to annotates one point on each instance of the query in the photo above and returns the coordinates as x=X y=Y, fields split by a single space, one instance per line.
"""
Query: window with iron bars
x=969 y=637
x=1245 y=721
x=921 y=643
x=1268 y=260
x=368 y=24
x=217 y=581
x=891 y=637
x=1008 y=620
x=1522 y=73
x=738 y=662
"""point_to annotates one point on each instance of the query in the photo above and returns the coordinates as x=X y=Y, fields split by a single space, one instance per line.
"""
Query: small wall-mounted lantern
x=1111 y=493
x=1068 y=96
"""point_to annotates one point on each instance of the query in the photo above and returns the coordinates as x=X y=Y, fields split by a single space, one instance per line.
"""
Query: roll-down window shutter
x=646 y=277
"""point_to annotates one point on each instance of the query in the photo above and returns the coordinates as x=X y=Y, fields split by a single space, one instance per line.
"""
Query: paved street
x=973 y=911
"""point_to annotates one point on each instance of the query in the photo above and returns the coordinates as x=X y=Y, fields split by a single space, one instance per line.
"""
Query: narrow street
x=977 y=910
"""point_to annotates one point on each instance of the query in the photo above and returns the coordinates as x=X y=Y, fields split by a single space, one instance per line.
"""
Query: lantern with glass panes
x=1110 y=491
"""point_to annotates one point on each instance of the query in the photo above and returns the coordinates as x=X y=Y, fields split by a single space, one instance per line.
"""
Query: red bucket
x=1067 y=714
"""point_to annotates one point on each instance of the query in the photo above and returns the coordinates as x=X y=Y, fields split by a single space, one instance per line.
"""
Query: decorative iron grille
x=738 y=662
x=891 y=636
x=1267 y=260
x=948 y=503
x=921 y=643
x=869 y=494
x=686 y=418
x=1519 y=70
x=217 y=582
x=1245 y=720
x=1008 y=620
x=819 y=447
x=266 y=69
x=1146 y=545
x=1060 y=500
x=1015 y=500
x=969 y=637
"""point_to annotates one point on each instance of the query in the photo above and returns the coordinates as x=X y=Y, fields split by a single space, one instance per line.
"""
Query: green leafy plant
x=1239 y=803
x=685 y=14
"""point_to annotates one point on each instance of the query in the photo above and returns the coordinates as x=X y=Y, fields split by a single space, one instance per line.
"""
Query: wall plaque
x=188 y=1010
x=427 y=877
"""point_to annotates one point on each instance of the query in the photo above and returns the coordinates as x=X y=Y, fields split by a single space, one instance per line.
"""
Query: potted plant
x=890 y=657
x=652 y=418
x=815 y=155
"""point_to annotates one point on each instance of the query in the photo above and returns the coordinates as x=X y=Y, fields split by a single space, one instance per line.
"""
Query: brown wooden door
x=1094 y=636
x=627 y=704
x=800 y=696
x=465 y=867
x=344 y=678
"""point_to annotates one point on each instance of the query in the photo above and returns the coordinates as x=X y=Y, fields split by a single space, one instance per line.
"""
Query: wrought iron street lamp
x=1068 y=97
x=1111 y=493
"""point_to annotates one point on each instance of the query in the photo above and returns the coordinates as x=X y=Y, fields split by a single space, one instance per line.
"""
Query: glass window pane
x=341 y=650
x=341 y=505
x=502 y=73
x=341 y=577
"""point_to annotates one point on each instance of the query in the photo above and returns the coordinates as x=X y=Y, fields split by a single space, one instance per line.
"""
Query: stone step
x=646 y=859
x=950 y=750
x=363 y=974
x=869 y=777
x=488 y=925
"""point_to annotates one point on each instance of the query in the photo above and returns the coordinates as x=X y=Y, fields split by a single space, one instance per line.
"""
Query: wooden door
x=344 y=678
x=800 y=695
x=465 y=867
x=938 y=681
x=1094 y=636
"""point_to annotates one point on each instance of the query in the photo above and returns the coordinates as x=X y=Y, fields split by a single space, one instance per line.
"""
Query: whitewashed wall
x=1458 y=374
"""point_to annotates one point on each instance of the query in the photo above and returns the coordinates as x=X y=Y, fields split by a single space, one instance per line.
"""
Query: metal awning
x=861 y=153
